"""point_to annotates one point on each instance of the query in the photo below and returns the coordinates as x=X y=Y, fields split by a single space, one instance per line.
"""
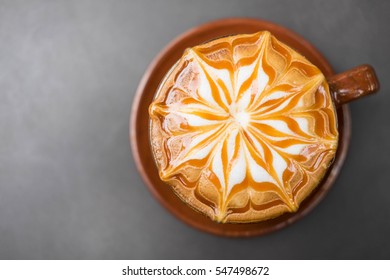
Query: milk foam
x=242 y=127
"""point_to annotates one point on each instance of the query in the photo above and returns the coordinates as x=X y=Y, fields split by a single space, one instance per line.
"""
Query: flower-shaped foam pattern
x=243 y=128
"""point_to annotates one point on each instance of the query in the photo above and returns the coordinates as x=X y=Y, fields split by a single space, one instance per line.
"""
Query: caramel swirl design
x=243 y=128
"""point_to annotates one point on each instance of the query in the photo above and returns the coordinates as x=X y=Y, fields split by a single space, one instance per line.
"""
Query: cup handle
x=353 y=84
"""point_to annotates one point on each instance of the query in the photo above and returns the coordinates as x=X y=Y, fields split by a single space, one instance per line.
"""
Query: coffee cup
x=252 y=213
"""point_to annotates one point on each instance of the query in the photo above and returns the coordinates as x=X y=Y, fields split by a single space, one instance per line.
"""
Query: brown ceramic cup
x=344 y=88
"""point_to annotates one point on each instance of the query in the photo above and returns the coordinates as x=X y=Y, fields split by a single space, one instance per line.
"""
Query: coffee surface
x=243 y=128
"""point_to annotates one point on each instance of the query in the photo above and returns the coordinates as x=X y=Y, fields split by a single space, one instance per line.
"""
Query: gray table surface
x=68 y=184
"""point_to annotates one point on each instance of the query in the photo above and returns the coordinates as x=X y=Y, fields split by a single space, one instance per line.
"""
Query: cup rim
x=147 y=168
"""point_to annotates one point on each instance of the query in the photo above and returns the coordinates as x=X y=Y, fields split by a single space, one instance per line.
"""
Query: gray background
x=68 y=184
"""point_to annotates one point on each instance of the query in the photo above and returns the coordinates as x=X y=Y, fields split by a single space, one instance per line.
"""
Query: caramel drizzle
x=244 y=122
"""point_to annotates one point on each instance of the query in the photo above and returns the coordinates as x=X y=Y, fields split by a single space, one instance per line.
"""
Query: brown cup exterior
x=139 y=125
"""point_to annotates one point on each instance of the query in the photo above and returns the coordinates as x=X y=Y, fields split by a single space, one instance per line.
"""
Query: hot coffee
x=243 y=128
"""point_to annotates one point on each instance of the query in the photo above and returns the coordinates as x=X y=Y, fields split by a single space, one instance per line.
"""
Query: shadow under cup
x=139 y=121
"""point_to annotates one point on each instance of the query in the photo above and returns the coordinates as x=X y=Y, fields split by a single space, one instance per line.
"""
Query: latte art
x=243 y=128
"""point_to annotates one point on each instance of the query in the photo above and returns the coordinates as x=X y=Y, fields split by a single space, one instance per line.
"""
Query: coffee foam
x=243 y=128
